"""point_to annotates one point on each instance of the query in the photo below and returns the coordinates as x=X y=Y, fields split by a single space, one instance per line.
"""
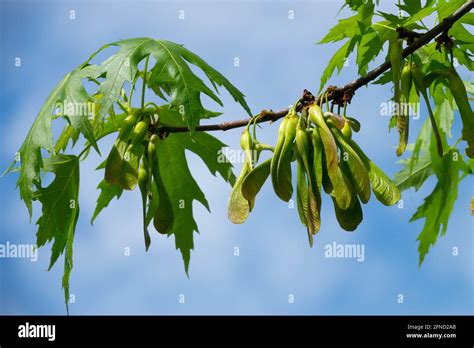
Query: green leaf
x=422 y=55
x=468 y=18
x=355 y=28
x=462 y=37
x=463 y=58
x=122 y=164
x=337 y=61
x=392 y=123
x=413 y=176
x=444 y=107
x=108 y=192
x=438 y=206
x=345 y=28
x=254 y=181
x=179 y=182
x=366 y=12
x=417 y=11
x=77 y=105
x=213 y=75
x=369 y=47
x=111 y=125
x=353 y=4
x=68 y=133
x=119 y=68
x=412 y=7
x=385 y=78
x=469 y=87
x=391 y=19
x=384 y=188
x=460 y=95
x=171 y=73
x=184 y=88
x=60 y=210
x=421 y=144
x=40 y=136
x=238 y=207
x=446 y=8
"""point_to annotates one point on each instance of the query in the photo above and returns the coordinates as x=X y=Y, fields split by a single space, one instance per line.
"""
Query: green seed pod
x=139 y=133
x=347 y=130
x=246 y=144
x=122 y=166
x=143 y=182
x=238 y=207
x=282 y=182
x=151 y=150
x=127 y=125
x=342 y=191
x=317 y=157
x=337 y=186
x=254 y=181
x=143 y=175
x=402 y=119
x=335 y=120
x=406 y=82
x=355 y=125
x=302 y=145
x=384 y=189
x=277 y=152
x=301 y=192
x=290 y=134
x=303 y=197
x=163 y=219
x=349 y=218
x=353 y=167
x=329 y=144
x=304 y=152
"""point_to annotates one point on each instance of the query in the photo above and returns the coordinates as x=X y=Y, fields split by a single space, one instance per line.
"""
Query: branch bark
x=351 y=87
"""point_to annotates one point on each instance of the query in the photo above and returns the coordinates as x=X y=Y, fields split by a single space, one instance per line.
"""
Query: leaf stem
x=385 y=26
x=132 y=89
x=263 y=147
x=439 y=144
x=123 y=107
x=84 y=150
x=145 y=70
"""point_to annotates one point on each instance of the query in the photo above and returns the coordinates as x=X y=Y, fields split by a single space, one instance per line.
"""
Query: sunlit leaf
x=69 y=90
x=60 y=211
x=438 y=206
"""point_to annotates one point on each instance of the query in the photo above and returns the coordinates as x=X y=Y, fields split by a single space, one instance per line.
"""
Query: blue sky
x=278 y=59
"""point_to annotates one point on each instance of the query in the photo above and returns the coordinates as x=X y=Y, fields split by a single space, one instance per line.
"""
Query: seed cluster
x=134 y=160
x=327 y=159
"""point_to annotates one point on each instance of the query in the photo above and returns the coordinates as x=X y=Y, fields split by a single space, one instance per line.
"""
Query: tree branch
x=347 y=90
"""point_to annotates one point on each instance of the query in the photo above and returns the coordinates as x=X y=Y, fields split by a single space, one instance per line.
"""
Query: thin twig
x=145 y=71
